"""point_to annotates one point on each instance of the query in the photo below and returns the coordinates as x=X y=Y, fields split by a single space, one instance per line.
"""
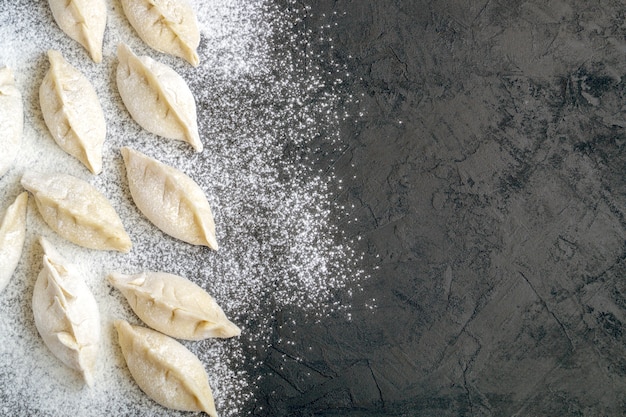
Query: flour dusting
x=262 y=98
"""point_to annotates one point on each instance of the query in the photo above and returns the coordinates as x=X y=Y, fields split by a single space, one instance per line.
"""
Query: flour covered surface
x=11 y=119
x=259 y=102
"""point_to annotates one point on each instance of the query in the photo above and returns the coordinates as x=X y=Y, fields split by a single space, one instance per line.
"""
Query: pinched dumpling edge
x=77 y=211
x=72 y=112
x=174 y=305
x=73 y=334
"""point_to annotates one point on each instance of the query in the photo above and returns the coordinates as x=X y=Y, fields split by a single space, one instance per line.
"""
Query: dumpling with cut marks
x=72 y=112
x=11 y=119
x=12 y=235
x=170 y=199
x=168 y=26
x=84 y=21
x=174 y=305
x=66 y=313
x=157 y=97
x=165 y=370
x=77 y=211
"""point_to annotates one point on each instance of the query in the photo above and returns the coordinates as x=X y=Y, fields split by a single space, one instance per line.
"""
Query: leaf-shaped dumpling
x=174 y=305
x=168 y=26
x=66 y=313
x=11 y=119
x=157 y=97
x=72 y=112
x=170 y=199
x=12 y=235
x=84 y=21
x=165 y=370
x=77 y=211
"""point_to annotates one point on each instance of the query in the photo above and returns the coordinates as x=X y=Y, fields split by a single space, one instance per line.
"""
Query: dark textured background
x=491 y=181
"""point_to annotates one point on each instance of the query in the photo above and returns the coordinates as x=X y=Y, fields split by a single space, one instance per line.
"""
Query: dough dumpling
x=165 y=370
x=66 y=313
x=12 y=235
x=168 y=26
x=77 y=211
x=174 y=305
x=157 y=97
x=11 y=119
x=84 y=21
x=170 y=199
x=72 y=112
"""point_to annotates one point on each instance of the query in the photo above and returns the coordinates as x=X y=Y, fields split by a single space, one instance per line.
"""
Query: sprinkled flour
x=261 y=99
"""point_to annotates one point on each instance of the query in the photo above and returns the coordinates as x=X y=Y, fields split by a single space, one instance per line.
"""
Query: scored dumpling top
x=168 y=26
x=84 y=21
x=157 y=97
x=170 y=199
x=72 y=112
x=165 y=370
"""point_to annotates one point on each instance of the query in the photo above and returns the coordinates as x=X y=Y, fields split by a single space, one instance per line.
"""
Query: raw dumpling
x=170 y=199
x=84 y=21
x=165 y=370
x=157 y=97
x=72 y=112
x=168 y=26
x=174 y=305
x=66 y=313
x=11 y=119
x=12 y=235
x=77 y=211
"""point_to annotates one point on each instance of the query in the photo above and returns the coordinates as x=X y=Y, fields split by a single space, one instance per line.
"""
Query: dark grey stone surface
x=490 y=178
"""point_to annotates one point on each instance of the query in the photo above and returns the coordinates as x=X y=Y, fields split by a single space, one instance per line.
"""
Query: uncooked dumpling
x=12 y=235
x=77 y=211
x=66 y=313
x=170 y=199
x=11 y=119
x=72 y=112
x=168 y=26
x=174 y=305
x=84 y=21
x=165 y=370
x=157 y=97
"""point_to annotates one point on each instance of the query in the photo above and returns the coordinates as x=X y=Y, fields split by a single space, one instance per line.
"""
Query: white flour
x=257 y=93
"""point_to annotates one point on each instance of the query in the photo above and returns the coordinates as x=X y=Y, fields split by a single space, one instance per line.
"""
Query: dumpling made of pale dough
x=170 y=199
x=157 y=97
x=165 y=370
x=84 y=21
x=72 y=112
x=77 y=211
x=168 y=26
x=174 y=305
x=66 y=313
x=11 y=119
x=12 y=235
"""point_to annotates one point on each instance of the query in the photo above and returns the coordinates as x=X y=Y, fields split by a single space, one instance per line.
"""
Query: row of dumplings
x=156 y=96
x=159 y=100
x=169 y=26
